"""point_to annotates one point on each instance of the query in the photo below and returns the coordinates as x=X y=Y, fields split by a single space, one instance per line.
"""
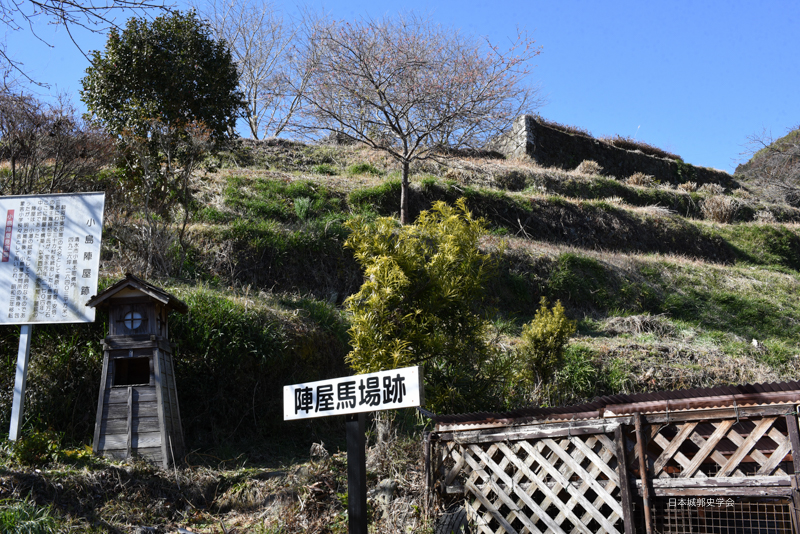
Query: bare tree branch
x=775 y=165
x=261 y=41
x=22 y=15
x=412 y=88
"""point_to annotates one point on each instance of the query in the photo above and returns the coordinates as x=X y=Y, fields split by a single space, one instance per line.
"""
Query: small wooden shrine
x=137 y=408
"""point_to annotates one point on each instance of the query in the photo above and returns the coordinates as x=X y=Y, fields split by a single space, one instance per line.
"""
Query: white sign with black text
x=385 y=390
x=50 y=258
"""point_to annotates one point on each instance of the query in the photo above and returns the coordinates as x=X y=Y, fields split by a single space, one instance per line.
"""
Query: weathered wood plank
x=720 y=482
x=596 y=460
x=499 y=473
x=476 y=518
x=491 y=509
x=624 y=481
x=535 y=508
x=120 y=441
x=128 y=429
x=746 y=446
x=707 y=448
x=718 y=413
x=157 y=379
x=760 y=491
x=139 y=424
x=641 y=447
x=150 y=453
x=581 y=472
x=672 y=447
x=119 y=394
x=120 y=411
x=776 y=458
x=584 y=502
x=546 y=430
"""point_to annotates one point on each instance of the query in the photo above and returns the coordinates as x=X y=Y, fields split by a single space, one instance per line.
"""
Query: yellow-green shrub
x=421 y=303
x=543 y=342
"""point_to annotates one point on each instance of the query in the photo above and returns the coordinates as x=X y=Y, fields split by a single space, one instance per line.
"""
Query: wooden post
x=624 y=481
x=356 y=474
x=794 y=438
x=18 y=404
x=640 y=449
x=426 y=452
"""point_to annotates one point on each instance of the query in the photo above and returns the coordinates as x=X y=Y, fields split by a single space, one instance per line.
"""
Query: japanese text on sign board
x=398 y=388
x=50 y=257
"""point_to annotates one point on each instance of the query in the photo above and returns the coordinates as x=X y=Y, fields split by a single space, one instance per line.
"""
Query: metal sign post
x=352 y=396
x=21 y=378
x=48 y=269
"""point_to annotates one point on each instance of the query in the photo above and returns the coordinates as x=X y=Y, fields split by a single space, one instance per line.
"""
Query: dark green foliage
x=232 y=362
x=26 y=517
x=364 y=168
x=36 y=448
x=170 y=69
x=381 y=199
x=325 y=168
x=63 y=378
x=764 y=244
x=275 y=199
x=580 y=281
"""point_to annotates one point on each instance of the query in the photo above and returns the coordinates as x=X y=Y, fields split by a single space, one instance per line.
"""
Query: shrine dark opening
x=131 y=371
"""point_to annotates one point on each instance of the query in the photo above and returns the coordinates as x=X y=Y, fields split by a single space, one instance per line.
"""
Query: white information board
x=51 y=257
x=385 y=390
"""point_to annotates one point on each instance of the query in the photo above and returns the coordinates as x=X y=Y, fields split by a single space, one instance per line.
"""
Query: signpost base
x=21 y=378
x=356 y=474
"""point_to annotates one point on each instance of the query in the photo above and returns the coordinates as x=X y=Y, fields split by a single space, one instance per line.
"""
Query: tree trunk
x=404 y=195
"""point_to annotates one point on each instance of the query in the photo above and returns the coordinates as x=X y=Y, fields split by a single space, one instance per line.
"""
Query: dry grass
x=689 y=187
x=712 y=189
x=589 y=167
x=640 y=179
x=719 y=208
x=639 y=324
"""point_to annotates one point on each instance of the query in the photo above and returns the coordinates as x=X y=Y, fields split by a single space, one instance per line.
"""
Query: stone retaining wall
x=550 y=147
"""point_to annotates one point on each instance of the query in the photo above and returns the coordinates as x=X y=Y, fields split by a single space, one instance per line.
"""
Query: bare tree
x=413 y=88
x=262 y=42
x=775 y=165
x=95 y=16
x=49 y=147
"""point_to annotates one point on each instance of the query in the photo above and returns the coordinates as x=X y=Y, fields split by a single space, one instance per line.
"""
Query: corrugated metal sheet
x=677 y=400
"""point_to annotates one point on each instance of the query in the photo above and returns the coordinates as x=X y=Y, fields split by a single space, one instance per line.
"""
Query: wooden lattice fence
x=585 y=476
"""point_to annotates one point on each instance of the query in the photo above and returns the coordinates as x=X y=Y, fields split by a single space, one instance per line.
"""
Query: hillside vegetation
x=671 y=287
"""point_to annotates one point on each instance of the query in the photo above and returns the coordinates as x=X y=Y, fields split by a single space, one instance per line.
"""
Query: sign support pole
x=25 y=334
x=356 y=474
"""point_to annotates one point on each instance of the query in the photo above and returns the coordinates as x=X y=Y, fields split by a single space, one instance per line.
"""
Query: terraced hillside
x=673 y=286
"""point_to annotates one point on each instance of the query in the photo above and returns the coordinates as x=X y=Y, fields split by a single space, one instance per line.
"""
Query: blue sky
x=693 y=77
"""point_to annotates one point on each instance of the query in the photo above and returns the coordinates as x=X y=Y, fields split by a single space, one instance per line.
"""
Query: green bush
x=37 y=448
x=25 y=517
x=302 y=206
x=421 y=303
x=326 y=169
x=364 y=168
x=543 y=342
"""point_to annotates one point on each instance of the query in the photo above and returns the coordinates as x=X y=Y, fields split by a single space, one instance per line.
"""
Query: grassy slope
x=664 y=299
